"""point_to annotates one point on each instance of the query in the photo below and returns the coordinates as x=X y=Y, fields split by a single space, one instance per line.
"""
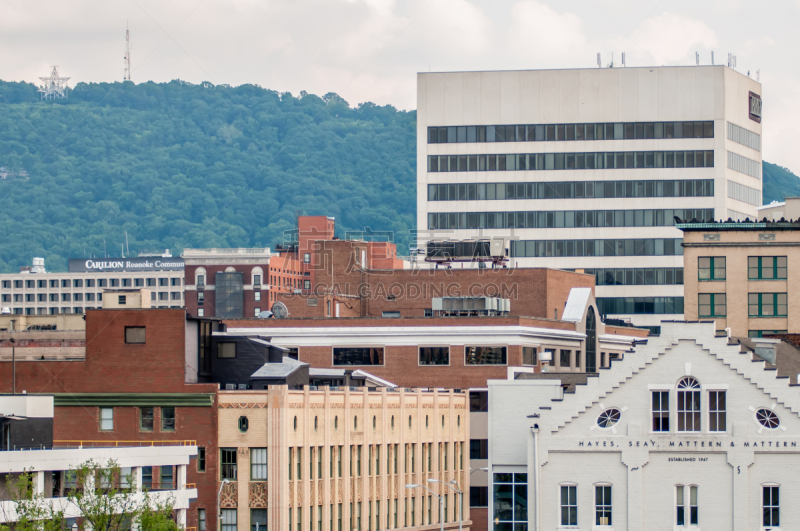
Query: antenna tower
x=54 y=87
x=127 y=76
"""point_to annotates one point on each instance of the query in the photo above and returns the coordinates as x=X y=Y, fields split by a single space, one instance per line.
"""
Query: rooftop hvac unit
x=244 y=386
x=230 y=387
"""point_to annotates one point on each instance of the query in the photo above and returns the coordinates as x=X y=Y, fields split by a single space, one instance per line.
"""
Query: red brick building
x=133 y=375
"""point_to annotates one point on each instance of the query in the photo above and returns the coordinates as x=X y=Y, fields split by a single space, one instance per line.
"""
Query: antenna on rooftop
x=598 y=59
x=712 y=57
x=697 y=58
x=127 y=76
x=623 y=59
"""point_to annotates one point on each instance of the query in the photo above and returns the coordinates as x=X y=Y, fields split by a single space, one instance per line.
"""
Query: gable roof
x=703 y=333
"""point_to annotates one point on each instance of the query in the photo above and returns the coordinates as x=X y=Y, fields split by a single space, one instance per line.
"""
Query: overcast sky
x=370 y=50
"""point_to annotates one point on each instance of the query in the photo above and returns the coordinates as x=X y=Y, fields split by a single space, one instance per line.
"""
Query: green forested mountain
x=179 y=165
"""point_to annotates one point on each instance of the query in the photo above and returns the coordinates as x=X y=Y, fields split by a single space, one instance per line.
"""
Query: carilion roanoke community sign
x=83 y=265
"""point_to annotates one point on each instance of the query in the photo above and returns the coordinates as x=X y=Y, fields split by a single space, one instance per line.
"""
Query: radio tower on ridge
x=127 y=76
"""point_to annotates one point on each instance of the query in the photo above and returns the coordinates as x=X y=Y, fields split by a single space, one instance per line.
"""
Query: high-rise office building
x=587 y=169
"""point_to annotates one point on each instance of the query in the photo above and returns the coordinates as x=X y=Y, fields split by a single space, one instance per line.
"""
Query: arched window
x=688 y=404
x=256 y=276
x=200 y=277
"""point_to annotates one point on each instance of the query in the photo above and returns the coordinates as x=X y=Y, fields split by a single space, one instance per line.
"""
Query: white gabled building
x=688 y=432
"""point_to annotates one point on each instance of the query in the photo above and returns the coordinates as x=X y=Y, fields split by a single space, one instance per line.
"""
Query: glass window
x=228 y=519
x=688 y=404
x=716 y=411
x=569 y=505
x=660 y=411
x=529 y=356
x=767 y=304
x=258 y=520
x=358 y=356
x=167 y=419
x=146 y=418
x=711 y=268
x=201 y=459
x=602 y=505
x=226 y=350
x=485 y=355
x=106 y=419
x=771 y=506
x=711 y=305
x=147 y=477
x=228 y=463
x=434 y=355
x=258 y=464
x=479 y=448
x=510 y=500
x=135 y=334
x=766 y=267
x=201 y=519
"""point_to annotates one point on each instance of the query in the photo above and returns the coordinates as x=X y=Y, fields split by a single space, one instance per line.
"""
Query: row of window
x=473 y=355
x=147 y=418
x=758 y=267
x=743 y=136
x=639 y=305
x=640 y=276
x=567 y=218
x=569 y=132
x=91 y=283
x=609 y=247
x=54 y=310
x=79 y=297
x=744 y=165
x=743 y=193
x=758 y=305
x=571 y=190
x=572 y=161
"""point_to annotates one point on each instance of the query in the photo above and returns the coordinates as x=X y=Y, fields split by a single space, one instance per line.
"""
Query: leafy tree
x=105 y=500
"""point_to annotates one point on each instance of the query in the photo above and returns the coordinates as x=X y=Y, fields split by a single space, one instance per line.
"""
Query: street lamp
x=219 y=509
x=441 y=501
x=453 y=485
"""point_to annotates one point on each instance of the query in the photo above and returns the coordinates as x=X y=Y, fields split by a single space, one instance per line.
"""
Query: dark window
x=147 y=477
x=478 y=401
x=167 y=419
x=146 y=418
x=716 y=411
x=479 y=448
x=771 y=506
x=228 y=463
x=602 y=505
x=529 y=356
x=229 y=296
x=122 y=300
x=434 y=355
x=201 y=459
x=358 y=356
x=167 y=480
x=258 y=520
x=135 y=334
x=479 y=496
x=226 y=350
x=660 y=411
x=688 y=404
x=485 y=355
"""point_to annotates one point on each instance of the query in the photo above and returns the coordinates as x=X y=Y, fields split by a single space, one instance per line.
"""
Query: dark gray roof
x=787 y=355
x=278 y=370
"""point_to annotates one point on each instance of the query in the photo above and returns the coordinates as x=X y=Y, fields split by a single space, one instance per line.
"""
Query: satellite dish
x=279 y=310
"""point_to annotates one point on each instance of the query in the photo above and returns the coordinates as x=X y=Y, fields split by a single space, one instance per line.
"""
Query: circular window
x=609 y=417
x=767 y=418
x=243 y=424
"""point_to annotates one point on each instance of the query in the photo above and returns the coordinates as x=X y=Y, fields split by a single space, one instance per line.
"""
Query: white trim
x=714 y=387
x=660 y=387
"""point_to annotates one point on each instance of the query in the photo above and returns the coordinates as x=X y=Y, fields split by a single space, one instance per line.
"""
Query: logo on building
x=81 y=265
x=755 y=107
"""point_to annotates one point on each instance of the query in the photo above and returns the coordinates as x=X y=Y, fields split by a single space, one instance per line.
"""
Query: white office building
x=687 y=432
x=587 y=169
x=34 y=291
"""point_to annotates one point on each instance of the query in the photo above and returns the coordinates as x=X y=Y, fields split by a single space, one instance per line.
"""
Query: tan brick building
x=739 y=274
x=339 y=460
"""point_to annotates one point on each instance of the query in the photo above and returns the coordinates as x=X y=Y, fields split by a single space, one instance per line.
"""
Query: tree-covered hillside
x=178 y=165
x=779 y=183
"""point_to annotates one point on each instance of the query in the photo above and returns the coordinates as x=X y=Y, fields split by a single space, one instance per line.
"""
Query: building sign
x=117 y=265
x=755 y=107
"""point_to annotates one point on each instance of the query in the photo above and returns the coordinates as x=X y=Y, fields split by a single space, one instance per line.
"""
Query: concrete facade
x=634 y=98
x=750 y=290
x=340 y=459
x=721 y=454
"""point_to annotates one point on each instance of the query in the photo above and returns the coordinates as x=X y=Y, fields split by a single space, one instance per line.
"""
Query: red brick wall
x=111 y=366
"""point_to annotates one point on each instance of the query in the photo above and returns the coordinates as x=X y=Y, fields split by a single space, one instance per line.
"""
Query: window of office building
x=767 y=304
x=479 y=449
x=126 y=282
x=717 y=414
x=434 y=355
x=568 y=499
x=163 y=282
x=510 y=499
x=686 y=509
x=711 y=268
x=201 y=519
x=478 y=401
x=229 y=297
x=258 y=520
x=135 y=334
x=766 y=267
x=711 y=305
x=167 y=419
x=639 y=305
x=660 y=411
x=771 y=506
x=602 y=505
x=106 y=419
x=146 y=416
x=478 y=496
x=529 y=356
x=151 y=282
x=227 y=463
x=688 y=404
x=608 y=247
x=258 y=464
x=485 y=355
x=358 y=356
x=228 y=519
x=114 y=282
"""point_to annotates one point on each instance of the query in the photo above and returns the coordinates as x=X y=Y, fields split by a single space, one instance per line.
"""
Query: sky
x=370 y=50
